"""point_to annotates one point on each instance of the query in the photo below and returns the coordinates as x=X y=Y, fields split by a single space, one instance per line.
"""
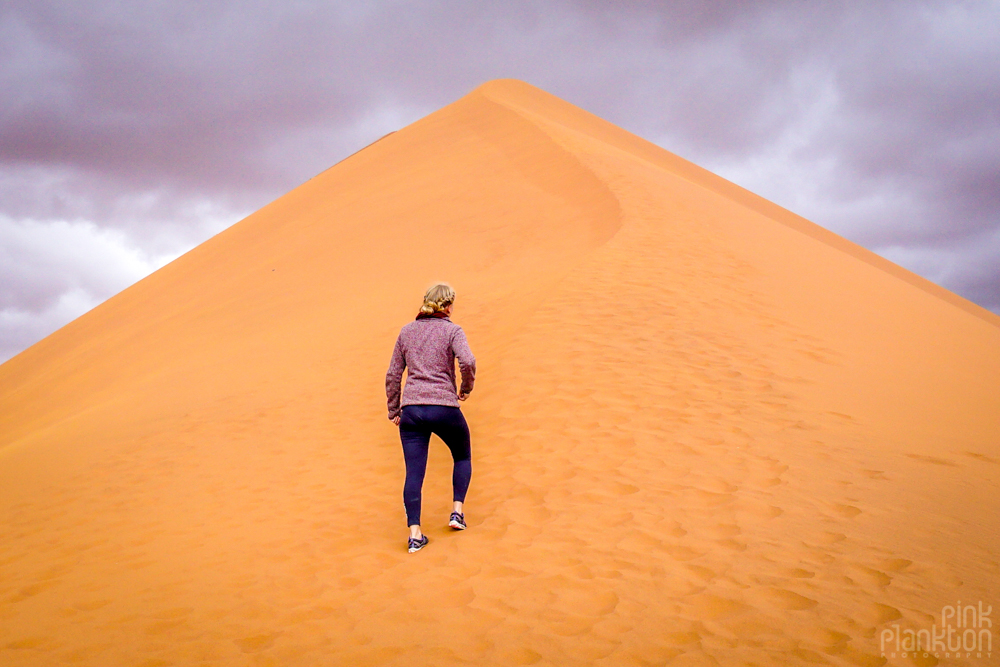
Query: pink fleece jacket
x=428 y=347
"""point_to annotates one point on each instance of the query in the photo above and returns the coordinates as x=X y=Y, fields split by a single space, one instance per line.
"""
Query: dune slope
x=705 y=430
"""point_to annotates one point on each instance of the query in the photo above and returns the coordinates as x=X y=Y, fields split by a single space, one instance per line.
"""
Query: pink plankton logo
x=965 y=632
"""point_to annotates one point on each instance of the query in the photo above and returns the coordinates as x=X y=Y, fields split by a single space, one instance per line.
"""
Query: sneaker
x=416 y=544
x=457 y=521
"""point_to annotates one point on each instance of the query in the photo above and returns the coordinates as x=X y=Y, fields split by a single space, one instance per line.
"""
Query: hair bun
x=437 y=298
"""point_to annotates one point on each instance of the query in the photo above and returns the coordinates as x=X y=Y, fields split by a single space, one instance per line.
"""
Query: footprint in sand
x=714 y=607
x=673 y=528
x=799 y=573
x=521 y=656
x=846 y=511
x=760 y=510
x=717 y=486
x=724 y=530
x=701 y=572
x=827 y=640
x=869 y=576
x=256 y=643
x=783 y=600
x=680 y=638
x=91 y=605
x=895 y=564
x=932 y=459
x=713 y=499
x=882 y=613
x=30 y=591
x=805 y=655
x=682 y=553
x=771 y=512
x=734 y=545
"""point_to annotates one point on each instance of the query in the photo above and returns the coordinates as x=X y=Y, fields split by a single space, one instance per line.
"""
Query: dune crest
x=705 y=429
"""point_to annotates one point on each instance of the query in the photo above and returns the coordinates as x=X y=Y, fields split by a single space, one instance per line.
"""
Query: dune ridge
x=639 y=147
x=705 y=430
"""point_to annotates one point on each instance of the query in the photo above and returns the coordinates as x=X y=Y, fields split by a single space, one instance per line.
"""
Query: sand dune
x=705 y=430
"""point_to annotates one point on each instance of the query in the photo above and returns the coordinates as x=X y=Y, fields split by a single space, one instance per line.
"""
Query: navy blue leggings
x=415 y=427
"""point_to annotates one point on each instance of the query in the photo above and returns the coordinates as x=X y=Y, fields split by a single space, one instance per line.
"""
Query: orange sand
x=704 y=430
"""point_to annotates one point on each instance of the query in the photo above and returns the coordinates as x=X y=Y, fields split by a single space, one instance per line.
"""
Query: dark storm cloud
x=891 y=112
x=136 y=129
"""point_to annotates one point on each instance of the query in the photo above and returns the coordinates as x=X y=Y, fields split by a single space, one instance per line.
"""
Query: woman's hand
x=462 y=396
x=395 y=420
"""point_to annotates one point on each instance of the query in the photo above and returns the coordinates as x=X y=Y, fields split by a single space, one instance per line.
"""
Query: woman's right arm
x=393 y=380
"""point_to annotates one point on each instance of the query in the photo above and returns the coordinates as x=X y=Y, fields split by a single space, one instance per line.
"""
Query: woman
x=428 y=347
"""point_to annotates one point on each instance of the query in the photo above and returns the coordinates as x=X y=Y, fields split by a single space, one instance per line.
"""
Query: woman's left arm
x=466 y=362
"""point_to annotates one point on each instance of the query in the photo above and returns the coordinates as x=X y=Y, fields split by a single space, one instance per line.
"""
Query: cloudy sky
x=131 y=131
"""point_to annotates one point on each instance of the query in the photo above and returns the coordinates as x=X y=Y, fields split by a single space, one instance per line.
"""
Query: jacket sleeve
x=466 y=362
x=394 y=378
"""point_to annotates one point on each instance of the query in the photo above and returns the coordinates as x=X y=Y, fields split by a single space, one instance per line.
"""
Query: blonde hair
x=437 y=298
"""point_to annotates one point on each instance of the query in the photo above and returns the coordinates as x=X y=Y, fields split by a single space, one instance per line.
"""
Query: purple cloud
x=146 y=127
